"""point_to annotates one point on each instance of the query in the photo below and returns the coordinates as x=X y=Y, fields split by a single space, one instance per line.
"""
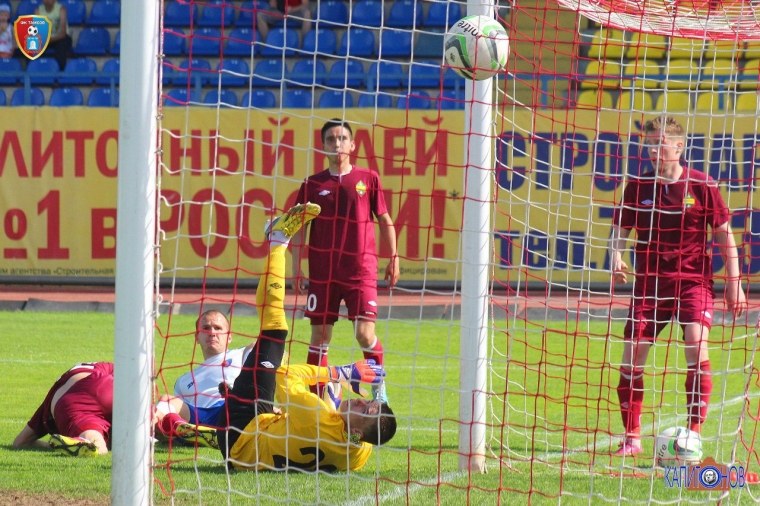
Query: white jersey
x=200 y=387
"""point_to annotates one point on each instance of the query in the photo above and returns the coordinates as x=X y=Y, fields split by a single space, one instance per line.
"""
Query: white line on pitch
x=400 y=491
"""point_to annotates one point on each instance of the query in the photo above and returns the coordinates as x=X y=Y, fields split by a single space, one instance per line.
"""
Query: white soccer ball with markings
x=678 y=446
x=477 y=47
x=32 y=30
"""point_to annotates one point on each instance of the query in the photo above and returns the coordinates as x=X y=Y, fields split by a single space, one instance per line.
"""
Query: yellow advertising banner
x=556 y=178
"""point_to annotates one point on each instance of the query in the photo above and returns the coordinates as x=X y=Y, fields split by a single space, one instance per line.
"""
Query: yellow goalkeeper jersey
x=308 y=435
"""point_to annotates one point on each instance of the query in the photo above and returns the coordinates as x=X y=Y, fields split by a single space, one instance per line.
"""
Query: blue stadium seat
x=116 y=48
x=36 y=97
x=192 y=70
x=174 y=42
x=451 y=100
x=247 y=16
x=425 y=74
x=259 y=98
x=452 y=80
x=395 y=43
x=3 y=98
x=105 y=13
x=78 y=65
x=345 y=73
x=415 y=100
x=42 y=71
x=240 y=42
x=103 y=97
x=111 y=66
x=443 y=14
x=278 y=39
x=429 y=45
x=180 y=13
x=93 y=41
x=234 y=72
x=8 y=65
x=405 y=14
x=66 y=97
x=367 y=13
x=379 y=100
x=179 y=97
x=268 y=73
x=320 y=41
x=76 y=11
x=225 y=98
x=168 y=71
x=386 y=74
x=297 y=99
x=331 y=12
x=26 y=8
x=206 y=42
x=357 y=42
x=307 y=72
x=336 y=99
x=217 y=13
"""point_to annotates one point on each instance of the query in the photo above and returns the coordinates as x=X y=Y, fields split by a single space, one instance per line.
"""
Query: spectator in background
x=281 y=9
x=6 y=32
x=59 y=46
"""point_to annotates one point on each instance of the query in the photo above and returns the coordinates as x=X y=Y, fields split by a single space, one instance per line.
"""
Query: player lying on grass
x=194 y=408
x=672 y=209
x=308 y=434
x=76 y=412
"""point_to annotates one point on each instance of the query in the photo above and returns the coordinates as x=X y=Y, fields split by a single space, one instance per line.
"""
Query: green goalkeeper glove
x=363 y=371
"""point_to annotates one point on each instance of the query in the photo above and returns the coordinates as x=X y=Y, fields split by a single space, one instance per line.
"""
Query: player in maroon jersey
x=342 y=251
x=76 y=412
x=671 y=210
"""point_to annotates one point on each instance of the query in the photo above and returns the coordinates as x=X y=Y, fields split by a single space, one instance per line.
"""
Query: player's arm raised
x=735 y=298
x=616 y=247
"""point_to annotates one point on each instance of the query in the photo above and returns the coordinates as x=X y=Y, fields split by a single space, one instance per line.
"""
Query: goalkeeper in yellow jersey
x=306 y=433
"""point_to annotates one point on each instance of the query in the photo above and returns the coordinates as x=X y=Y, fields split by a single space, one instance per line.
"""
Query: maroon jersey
x=342 y=238
x=671 y=222
x=42 y=421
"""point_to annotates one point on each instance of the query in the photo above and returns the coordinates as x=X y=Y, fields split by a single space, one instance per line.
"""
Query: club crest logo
x=688 y=200
x=32 y=35
x=361 y=188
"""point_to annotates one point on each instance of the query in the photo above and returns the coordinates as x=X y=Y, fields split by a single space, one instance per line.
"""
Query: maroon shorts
x=323 y=302
x=657 y=301
x=88 y=405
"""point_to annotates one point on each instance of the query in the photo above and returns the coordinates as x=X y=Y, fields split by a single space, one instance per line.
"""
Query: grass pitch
x=553 y=417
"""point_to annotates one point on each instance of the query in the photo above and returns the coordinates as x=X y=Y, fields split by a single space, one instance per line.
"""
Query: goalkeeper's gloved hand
x=363 y=371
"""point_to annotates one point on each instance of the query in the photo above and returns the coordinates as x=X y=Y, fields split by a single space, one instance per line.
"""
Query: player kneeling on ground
x=309 y=434
x=76 y=412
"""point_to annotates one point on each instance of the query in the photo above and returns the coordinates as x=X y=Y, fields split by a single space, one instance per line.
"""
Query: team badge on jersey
x=688 y=200
x=361 y=188
x=32 y=35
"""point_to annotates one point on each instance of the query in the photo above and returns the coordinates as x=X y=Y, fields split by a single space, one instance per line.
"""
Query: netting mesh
x=566 y=139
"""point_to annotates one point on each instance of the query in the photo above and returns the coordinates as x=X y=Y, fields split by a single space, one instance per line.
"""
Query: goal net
x=239 y=131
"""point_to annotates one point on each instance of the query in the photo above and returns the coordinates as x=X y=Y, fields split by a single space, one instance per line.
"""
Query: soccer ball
x=32 y=30
x=676 y=446
x=476 y=47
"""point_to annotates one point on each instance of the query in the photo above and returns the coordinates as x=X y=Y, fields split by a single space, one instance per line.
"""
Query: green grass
x=553 y=401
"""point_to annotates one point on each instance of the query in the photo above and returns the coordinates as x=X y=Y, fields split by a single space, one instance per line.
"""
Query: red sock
x=375 y=352
x=168 y=422
x=698 y=389
x=317 y=356
x=631 y=396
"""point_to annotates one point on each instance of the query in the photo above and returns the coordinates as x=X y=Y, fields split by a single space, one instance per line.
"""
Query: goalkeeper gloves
x=363 y=371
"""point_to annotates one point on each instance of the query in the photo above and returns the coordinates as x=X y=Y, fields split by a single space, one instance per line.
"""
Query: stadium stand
x=116 y=48
x=105 y=13
x=180 y=13
x=109 y=72
x=7 y=67
x=384 y=75
x=94 y=40
x=42 y=71
x=280 y=41
x=368 y=13
x=217 y=13
x=206 y=42
x=747 y=102
x=308 y=72
x=395 y=43
x=233 y=72
x=196 y=71
x=76 y=11
x=331 y=12
x=174 y=42
x=259 y=98
x=594 y=99
x=297 y=99
x=320 y=41
x=345 y=73
x=3 y=98
x=451 y=100
x=418 y=99
x=634 y=100
x=78 y=66
x=357 y=42
x=241 y=42
x=424 y=74
x=678 y=101
x=379 y=100
x=222 y=98
x=268 y=73
x=442 y=14
x=337 y=99
x=405 y=14
x=179 y=97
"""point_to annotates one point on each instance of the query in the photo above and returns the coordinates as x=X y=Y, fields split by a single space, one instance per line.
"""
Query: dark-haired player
x=342 y=250
x=307 y=433
x=672 y=209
